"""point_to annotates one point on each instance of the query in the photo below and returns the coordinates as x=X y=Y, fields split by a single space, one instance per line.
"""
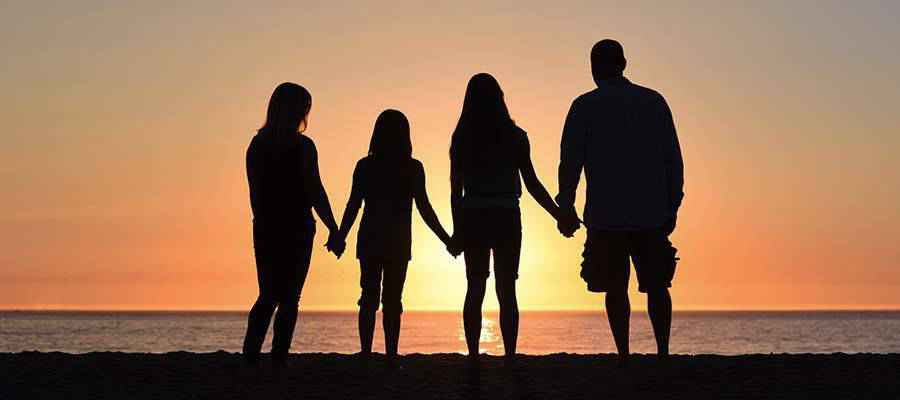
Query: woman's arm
x=533 y=184
x=456 y=194
x=353 y=203
x=314 y=189
x=420 y=193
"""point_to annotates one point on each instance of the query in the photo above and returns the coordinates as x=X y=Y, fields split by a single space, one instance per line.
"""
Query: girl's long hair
x=484 y=126
x=288 y=111
x=390 y=138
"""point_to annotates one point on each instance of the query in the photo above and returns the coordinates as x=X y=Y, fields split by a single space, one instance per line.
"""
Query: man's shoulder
x=645 y=92
x=588 y=96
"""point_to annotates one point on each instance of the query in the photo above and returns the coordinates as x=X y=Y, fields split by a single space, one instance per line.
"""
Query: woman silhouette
x=388 y=180
x=283 y=173
x=488 y=153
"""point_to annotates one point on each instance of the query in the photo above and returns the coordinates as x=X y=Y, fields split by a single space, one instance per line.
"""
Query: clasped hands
x=568 y=222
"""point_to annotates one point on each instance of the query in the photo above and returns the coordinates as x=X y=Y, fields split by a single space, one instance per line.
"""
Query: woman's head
x=288 y=110
x=390 y=138
x=483 y=123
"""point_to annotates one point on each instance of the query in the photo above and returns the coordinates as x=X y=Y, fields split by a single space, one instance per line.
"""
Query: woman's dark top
x=275 y=172
x=387 y=187
x=492 y=180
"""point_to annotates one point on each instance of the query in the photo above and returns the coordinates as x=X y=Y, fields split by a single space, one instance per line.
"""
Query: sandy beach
x=184 y=375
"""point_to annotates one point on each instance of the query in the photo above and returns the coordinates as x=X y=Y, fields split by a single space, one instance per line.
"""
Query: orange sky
x=125 y=128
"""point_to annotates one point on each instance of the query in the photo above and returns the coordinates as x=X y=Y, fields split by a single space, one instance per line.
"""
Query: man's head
x=607 y=60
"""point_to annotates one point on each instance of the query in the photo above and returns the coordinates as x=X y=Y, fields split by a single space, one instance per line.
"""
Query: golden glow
x=125 y=127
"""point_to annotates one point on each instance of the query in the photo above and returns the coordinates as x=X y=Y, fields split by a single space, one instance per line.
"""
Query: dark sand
x=443 y=376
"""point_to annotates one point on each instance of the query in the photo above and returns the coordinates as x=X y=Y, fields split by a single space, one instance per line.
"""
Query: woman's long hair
x=288 y=111
x=390 y=138
x=484 y=125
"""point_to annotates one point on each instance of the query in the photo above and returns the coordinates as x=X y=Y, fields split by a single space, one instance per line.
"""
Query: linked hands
x=336 y=243
x=454 y=246
x=568 y=222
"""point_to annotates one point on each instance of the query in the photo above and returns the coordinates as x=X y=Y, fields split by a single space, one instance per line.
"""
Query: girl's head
x=390 y=138
x=483 y=123
x=288 y=110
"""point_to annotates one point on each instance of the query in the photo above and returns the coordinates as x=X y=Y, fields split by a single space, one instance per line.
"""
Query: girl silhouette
x=488 y=153
x=387 y=180
x=283 y=173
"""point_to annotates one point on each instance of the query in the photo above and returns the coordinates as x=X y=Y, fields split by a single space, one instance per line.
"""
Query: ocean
x=693 y=332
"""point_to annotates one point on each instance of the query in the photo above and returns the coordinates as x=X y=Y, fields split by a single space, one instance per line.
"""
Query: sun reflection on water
x=489 y=340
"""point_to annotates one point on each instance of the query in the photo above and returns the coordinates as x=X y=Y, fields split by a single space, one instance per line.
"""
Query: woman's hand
x=336 y=243
x=454 y=247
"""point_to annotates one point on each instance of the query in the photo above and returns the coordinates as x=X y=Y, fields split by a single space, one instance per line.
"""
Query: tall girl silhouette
x=488 y=154
x=283 y=173
x=388 y=179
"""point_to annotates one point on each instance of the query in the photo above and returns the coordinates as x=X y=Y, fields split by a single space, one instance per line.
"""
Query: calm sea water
x=439 y=332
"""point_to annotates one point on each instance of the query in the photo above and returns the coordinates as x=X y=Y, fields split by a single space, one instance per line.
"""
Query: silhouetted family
x=621 y=135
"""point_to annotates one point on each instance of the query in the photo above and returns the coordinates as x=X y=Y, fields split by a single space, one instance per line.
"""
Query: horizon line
x=436 y=310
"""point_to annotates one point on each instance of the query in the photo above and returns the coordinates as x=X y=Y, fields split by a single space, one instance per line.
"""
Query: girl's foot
x=393 y=363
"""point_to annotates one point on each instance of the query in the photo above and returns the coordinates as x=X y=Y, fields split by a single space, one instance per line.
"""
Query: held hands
x=454 y=247
x=568 y=222
x=336 y=243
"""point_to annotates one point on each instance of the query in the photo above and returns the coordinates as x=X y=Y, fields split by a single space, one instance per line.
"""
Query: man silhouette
x=624 y=138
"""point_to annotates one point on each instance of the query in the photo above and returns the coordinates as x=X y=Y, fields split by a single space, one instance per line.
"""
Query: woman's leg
x=370 y=283
x=477 y=264
x=257 y=325
x=506 y=265
x=289 y=281
x=506 y=271
x=394 y=278
x=509 y=314
x=261 y=313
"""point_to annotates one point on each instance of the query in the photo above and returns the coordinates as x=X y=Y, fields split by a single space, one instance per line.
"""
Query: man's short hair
x=608 y=54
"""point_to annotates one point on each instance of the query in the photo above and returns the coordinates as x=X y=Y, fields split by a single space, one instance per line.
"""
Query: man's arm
x=571 y=163
x=673 y=161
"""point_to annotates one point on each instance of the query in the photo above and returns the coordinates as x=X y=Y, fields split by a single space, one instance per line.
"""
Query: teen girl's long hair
x=484 y=128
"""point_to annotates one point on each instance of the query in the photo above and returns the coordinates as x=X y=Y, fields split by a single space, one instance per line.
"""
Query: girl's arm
x=353 y=203
x=533 y=184
x=424 y=206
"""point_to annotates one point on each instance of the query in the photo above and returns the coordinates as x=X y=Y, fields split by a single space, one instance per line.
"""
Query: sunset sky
x=125 y=126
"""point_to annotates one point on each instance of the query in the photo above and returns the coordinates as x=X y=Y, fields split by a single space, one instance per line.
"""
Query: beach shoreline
x=446 y=376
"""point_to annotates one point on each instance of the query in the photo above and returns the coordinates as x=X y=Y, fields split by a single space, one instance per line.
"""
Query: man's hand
x=568 y=223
